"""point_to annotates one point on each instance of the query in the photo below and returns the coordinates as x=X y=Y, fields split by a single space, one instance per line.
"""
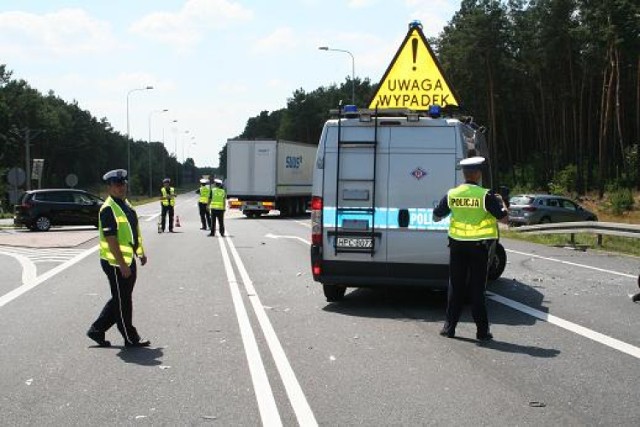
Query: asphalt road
x=241 y=335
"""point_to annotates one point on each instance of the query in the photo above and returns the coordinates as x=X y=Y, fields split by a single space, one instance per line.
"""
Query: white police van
x=377 y=178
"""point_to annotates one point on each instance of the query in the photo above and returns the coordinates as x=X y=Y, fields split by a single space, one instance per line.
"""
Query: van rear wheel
x=334 y=293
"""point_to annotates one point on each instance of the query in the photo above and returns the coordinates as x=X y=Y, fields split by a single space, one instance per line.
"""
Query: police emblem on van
x=418 y=173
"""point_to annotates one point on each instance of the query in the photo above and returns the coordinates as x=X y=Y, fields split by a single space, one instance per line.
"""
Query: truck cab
x=377 y=177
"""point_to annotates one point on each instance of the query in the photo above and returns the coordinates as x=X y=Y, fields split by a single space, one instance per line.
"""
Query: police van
x=377 y=178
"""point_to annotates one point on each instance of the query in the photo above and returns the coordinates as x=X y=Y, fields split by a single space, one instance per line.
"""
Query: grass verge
x=623 y=245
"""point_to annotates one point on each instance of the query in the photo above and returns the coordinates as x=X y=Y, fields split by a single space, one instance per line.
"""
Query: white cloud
x=279 y=40
x=187 y=27
x=359 y=4
x=434 y=14
x=62 y=33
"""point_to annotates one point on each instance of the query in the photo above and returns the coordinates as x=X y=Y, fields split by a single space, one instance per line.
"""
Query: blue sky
x=212 y=63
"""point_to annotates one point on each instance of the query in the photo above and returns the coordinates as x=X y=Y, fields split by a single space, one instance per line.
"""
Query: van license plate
x=355 y=242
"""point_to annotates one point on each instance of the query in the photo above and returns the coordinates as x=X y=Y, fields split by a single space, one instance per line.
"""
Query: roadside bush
x=564 y=181
x=620 y=200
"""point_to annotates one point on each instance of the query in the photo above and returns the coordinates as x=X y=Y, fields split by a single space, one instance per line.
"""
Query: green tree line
x=556 y=83
x=72 y=141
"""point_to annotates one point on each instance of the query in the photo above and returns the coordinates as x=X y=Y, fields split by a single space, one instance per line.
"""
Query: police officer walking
x=473 y=230
x=120 y=242
x=203 y=203
x=218 y=204
x=168 y=201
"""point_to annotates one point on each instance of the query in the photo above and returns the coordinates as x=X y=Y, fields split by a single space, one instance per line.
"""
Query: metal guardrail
x=573 y=228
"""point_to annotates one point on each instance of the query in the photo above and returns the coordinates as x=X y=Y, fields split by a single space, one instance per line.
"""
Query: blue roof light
x=415 y=24
x=350 y=109
x=434 y=111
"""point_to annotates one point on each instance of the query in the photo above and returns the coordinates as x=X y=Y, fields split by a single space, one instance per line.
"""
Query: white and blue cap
x=217 y=181
x=166 y=180
x=204 y=181
x=472 y=163
x=115 y=175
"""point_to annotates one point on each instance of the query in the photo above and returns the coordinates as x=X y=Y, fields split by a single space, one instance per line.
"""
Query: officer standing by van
x=218 y=204
x=203 y=203
x=475 y=212
x=120 y=243
x=167 y=201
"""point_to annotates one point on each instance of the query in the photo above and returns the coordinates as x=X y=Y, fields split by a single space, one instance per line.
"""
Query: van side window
x=552 y=203
x=60 y=197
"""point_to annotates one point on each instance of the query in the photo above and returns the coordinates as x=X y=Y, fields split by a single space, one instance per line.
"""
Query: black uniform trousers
x=219 y=215
x=165 y=210
x=205 y=217
x=468 y=264
x=119 y=309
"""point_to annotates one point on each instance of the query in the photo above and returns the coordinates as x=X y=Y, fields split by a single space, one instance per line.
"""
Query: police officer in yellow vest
x=218 y=204
x=203 y=203
x=167 y=201
x=473 y=230
x=120 y=243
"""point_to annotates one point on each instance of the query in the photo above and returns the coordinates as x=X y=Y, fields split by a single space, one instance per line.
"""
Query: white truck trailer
x=267 y=175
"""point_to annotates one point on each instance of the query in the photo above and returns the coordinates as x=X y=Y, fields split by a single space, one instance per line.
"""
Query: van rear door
x=422 y=168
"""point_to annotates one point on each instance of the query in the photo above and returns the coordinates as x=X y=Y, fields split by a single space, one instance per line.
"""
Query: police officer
x=218 y=204
x=167 y=201
x=472 y=232
x=203 y=203
x=120 y=243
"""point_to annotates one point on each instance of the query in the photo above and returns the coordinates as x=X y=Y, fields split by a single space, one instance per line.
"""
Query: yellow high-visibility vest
x=218 y=198
x=205 y=191
x=469 y=218
x=124 y=235
x=172 y=192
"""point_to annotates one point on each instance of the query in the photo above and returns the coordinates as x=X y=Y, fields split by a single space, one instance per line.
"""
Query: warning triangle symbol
x=414 y=79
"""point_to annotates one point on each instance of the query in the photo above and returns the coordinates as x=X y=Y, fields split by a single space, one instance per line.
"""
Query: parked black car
x=40 y=209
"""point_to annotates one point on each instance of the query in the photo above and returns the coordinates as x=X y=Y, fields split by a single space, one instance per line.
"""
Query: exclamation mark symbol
x=414 y=49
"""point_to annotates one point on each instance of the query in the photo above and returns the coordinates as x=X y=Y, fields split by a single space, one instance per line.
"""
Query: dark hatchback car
x=40 y=209
x=528 y=209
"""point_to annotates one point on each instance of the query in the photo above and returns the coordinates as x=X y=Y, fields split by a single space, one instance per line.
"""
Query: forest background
x=556 y=83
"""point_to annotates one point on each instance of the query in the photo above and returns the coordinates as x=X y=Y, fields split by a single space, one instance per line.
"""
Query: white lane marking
x=603 y=270
x=264 y=395
x=8 y=297
x=29 y=271
x=152 y=217
x=305 y=223
x=570 y=326
x=277 y=236
x=297 y=398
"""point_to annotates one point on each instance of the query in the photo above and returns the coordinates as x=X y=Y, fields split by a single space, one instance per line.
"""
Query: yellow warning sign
x=414 y=79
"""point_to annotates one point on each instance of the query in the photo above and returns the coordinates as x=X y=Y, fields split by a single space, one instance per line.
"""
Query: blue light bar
x=350 y=109
x=434 y=111
x=415 y=24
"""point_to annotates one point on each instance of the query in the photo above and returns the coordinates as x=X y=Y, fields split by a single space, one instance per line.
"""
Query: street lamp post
x=150 y=175
x=128 y=134
x=353 y=70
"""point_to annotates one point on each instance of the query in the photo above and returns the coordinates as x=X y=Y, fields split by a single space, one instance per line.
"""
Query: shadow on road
x=141 y=355
x=428 y=305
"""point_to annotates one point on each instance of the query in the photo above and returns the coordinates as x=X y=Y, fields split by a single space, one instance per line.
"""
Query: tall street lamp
x=150 y=175
x=163 y=144
x=128 y=134
x=353 y=70
x=176 y=152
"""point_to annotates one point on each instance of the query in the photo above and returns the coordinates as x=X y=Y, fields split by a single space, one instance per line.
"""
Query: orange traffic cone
x=177 y=221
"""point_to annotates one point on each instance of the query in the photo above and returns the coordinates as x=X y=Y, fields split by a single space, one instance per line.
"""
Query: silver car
x=527 y=209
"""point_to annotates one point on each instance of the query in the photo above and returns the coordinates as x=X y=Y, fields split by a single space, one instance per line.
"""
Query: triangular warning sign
x=414 y=79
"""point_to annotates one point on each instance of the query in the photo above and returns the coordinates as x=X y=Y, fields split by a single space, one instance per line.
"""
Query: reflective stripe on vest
x=469 y=217
x=218 y=198
x=205 y=191
x=166 y=202
x=124 y=235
